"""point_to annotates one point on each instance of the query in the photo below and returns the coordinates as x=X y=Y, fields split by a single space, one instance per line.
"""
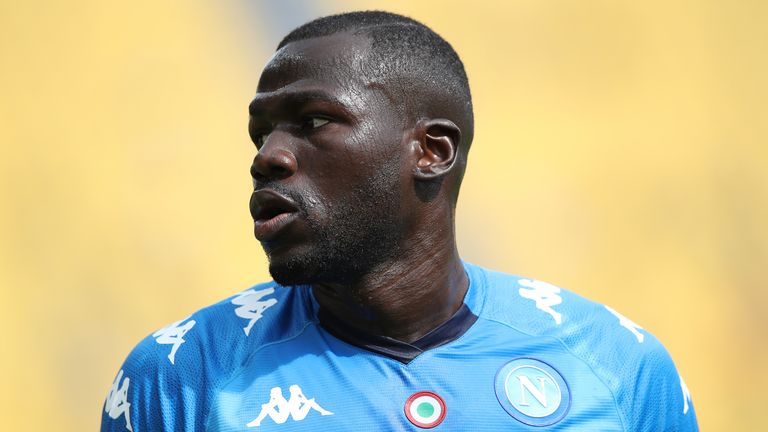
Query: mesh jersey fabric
x=537 y=358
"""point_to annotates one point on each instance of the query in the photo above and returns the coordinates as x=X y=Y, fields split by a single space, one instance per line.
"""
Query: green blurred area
x=620 y=151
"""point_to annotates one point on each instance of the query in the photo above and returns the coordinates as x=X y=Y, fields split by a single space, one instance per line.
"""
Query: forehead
x=334 y=61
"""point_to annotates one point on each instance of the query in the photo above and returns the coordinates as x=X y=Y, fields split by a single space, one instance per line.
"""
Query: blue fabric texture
x=537 y=358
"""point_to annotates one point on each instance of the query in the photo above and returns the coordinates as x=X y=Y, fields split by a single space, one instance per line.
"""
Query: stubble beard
x=356 y=236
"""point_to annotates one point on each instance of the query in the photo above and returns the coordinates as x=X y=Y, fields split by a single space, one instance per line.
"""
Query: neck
x=404 y=298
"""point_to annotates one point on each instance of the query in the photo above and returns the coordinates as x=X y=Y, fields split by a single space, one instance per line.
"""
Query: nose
x=273 y=162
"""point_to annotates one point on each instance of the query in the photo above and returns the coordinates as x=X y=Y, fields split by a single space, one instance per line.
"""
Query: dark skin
x=339 y=190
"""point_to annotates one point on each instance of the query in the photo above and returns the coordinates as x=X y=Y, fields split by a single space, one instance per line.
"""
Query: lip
x=271 y=212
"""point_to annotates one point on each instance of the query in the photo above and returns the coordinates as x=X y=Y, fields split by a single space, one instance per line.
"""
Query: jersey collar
x=404 y=352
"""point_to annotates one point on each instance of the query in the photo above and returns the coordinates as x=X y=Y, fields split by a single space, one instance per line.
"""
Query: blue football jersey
x=520 y=355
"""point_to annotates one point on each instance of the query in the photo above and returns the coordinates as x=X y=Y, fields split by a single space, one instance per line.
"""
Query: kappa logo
x=532 y=392
x=252 y=306
x=686 y=396
x=279 y=409
x=117 y=403
x=545 y=295
x=173 y=335
x=628 y=324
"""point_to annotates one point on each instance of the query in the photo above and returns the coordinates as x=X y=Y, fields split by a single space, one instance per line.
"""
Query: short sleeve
x=661 y=400
x=158 y=388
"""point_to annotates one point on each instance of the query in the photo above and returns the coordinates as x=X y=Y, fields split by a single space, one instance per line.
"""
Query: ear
x=438 y=145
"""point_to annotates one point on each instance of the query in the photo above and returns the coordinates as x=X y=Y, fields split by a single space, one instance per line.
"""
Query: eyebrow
x=293 y=99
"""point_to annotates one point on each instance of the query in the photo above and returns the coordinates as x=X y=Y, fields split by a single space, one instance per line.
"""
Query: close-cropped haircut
x=406 y=50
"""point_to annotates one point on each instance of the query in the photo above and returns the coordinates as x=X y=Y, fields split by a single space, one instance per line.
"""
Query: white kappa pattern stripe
x=117 y=403
x=252 y=305
x=628 y=324
x=545 y=295
x=173 y=334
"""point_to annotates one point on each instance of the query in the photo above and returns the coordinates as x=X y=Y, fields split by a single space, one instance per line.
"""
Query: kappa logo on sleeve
x=545 y=295
x=117 y=403
x=252 y=306
x=279 y=408
x=686 y=396
x=628 y=324
x=173 y=335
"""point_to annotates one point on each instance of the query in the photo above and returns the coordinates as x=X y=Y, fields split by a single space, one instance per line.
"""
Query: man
x=363 y=122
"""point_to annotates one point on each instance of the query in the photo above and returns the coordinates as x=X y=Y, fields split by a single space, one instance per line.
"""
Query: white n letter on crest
x=539 y=394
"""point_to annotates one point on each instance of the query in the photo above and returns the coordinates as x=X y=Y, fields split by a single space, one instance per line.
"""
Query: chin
x=288 y=268
x=288 y=275
x=307 y=269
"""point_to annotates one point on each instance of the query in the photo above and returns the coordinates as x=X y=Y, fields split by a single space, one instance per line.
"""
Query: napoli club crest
x=532 y=392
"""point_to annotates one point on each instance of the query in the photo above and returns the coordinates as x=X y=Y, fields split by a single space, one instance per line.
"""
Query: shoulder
x=629 y=360
x=229 y=329
x=178 y=367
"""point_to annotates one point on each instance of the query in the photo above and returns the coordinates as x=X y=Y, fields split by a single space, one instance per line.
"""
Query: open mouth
x=271 y=212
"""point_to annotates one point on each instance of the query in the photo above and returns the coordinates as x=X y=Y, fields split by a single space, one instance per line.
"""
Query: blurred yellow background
x=621 y=152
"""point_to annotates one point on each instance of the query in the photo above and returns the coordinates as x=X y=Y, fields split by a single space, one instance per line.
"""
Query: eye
x=315 y=122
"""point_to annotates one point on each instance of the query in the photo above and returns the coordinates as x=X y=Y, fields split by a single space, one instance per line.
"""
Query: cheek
x=373 y=147
x=343 y=167
x=339 y=169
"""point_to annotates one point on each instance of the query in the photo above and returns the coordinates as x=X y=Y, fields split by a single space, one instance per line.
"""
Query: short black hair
x=403 y=47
